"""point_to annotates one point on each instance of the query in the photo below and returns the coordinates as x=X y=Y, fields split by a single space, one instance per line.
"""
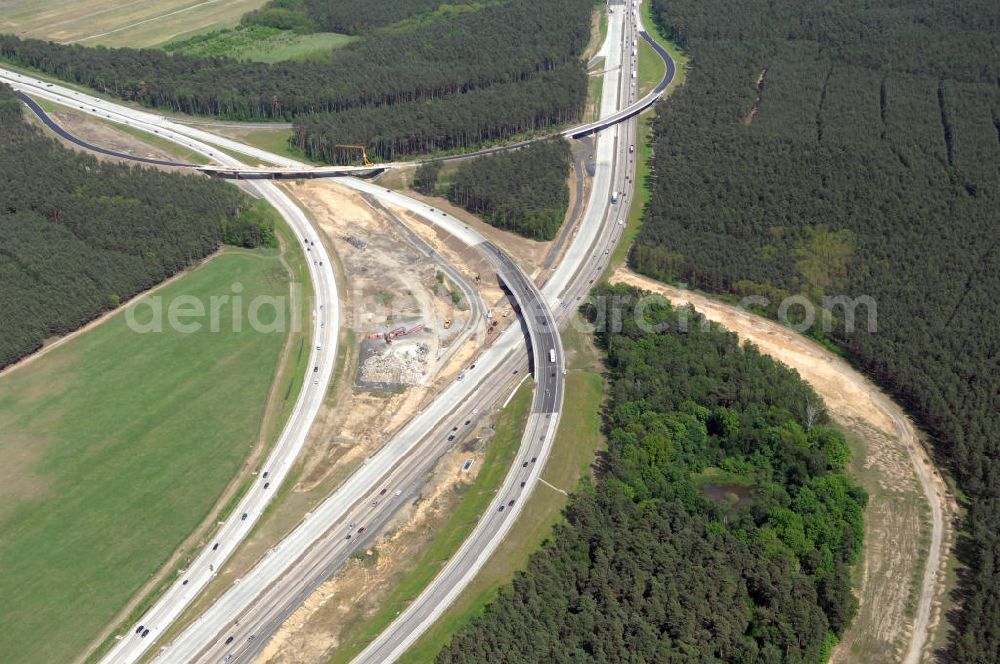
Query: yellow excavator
x=364 y=155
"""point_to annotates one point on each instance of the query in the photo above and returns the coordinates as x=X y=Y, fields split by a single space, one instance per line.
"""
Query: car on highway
x=215 y=546
x=244 y=517
x=138 y=629
x=145 y=632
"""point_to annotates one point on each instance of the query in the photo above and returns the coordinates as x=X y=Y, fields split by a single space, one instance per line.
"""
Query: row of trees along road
x=722 y=527
x=449 y=79
x=80 y=235
x=524 y=191
x=845 y=148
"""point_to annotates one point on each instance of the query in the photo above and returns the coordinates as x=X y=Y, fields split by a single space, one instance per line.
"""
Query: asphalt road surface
x=324 y=318
x=586 y=259
x=168 y=607
x=320 y=545
x=54 y=126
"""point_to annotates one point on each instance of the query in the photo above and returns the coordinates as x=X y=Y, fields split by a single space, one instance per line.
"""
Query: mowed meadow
x=119 y=22
x=116 y=445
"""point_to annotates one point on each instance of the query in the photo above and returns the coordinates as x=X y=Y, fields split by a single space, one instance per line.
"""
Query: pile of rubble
x=354 y=242
x=399 y=365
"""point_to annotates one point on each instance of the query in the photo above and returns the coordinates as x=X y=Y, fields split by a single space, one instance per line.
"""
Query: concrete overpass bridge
x=290 y=173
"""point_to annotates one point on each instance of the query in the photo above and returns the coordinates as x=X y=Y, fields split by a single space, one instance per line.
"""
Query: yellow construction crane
x=364 y=155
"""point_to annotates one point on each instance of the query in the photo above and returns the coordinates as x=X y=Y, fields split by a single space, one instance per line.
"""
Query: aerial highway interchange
x=239 y=623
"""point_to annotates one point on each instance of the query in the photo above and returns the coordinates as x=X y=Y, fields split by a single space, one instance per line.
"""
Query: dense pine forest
x=80 y=236
x=351 y=17
x=722 y=527
x=524 y=191
x=850 y=148
x=456 y=76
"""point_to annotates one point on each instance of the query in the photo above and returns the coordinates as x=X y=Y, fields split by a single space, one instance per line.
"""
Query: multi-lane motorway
x=587 y=256
x=324 y=316
x=404 y=446
x=238 y=624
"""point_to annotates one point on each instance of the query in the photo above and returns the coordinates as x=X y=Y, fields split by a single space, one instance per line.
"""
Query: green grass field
x=643 y=155
x=116 y=445
x=676 y=54
x=652 y=68
x=259 y=43
x=272 y=140
x=120 y=22
x=175 y=149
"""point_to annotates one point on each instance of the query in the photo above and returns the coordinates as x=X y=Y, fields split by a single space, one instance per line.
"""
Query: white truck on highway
x=552 y=355
x=614 y=197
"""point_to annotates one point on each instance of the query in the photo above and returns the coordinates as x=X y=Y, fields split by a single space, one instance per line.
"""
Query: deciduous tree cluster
x=722 y=528
x=853 y=149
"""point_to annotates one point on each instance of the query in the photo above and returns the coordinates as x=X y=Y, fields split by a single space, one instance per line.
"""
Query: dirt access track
x=900 y=581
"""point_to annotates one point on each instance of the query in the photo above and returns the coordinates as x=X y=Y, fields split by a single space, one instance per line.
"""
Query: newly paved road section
x=287 y=173
x=269 y=610
x=588 y=255
x=303 y=554
x=636 y=107
x=54 y=126
x=166 y=610
x=346 y=530
x=324 y=319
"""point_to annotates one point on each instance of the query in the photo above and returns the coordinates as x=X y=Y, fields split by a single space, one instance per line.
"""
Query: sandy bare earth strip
x=908 y=520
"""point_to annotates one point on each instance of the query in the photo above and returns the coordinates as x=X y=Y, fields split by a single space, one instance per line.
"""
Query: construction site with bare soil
x=416 y=310
x=419 y=305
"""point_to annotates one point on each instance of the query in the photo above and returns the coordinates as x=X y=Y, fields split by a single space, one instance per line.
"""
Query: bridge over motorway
x=301 y=171
x=287 y=173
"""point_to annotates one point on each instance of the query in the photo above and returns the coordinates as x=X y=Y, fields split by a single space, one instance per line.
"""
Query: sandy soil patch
x=530 y=253
x=908 y=522
x=96 y=132
x=355 y=593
